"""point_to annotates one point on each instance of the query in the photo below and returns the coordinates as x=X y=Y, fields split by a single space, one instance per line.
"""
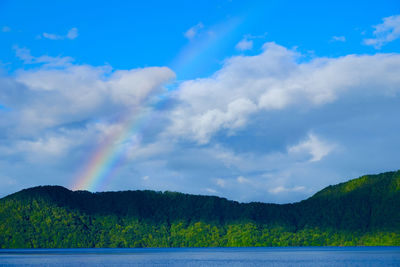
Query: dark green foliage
x=365 y=204
x=363 y=211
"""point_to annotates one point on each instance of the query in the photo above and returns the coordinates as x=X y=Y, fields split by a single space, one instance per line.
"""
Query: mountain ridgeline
x=363 y=211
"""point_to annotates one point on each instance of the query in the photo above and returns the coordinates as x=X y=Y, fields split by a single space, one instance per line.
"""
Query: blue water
x=294 y=256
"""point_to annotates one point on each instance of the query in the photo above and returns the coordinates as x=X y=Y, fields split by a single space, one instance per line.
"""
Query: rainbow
x=110 y=155
x=195 y=54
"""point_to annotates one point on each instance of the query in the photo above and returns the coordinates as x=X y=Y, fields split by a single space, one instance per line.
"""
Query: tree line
x=363 y=211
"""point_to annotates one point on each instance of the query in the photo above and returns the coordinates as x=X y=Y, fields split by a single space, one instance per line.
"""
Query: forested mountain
x=363 y=211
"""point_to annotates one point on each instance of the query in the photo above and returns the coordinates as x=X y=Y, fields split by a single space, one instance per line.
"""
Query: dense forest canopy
x=363 y=211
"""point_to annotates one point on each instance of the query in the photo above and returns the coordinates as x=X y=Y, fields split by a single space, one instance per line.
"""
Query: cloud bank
x=268 y=127
x=275 y=80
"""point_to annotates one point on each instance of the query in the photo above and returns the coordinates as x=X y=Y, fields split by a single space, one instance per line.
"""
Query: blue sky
x=249 y=100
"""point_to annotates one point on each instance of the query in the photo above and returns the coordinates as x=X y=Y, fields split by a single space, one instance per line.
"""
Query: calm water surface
x=294 y=256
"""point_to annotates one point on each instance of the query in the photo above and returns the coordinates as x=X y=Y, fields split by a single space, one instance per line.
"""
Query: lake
x=292 y=256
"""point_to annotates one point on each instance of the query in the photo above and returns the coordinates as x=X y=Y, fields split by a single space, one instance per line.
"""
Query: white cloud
x=146 y=151
x=314 y=146
x=275 y=80
x=42 y=101
x=234 y=117
x=79 y=92
x=133 y=86
x=244 y=45
x=52 y=36
x=55 y=143
x=59 y=111
x=212 y=191
x=25 y=55
x=220 y=182
x=385 y=32
x=49 y=146
x=71 y=34
x=242 y=180
x=5 y=29
x=194 y=31
x=282 y=189
x=339 y=38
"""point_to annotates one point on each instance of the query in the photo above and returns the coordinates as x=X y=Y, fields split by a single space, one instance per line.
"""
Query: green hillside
x=363 y=211
x=368 y=203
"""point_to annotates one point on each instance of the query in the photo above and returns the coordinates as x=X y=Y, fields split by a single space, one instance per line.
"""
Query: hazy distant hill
x=363 y=211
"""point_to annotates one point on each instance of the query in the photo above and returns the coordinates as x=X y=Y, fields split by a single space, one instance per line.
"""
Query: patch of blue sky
x=139 y=34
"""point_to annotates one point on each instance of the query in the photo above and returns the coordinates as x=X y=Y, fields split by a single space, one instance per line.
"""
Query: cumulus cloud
x=71 y=35
x=244 y=45
x=313 y=146
x=52 y=146
x=194 y=31
x=74 y=92
x=275 y=80
x=59 y=107
x=385 y=32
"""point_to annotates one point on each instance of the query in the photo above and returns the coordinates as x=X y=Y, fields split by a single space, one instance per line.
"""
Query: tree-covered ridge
x=363 y=211
x=367 y=203
x=157 y=207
